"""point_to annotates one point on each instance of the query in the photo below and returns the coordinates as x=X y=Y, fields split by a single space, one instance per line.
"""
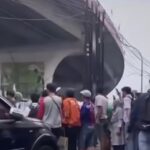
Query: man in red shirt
x=41 y=105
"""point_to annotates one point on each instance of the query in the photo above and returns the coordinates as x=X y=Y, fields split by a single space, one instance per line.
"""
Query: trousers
x=119 y=147
x=144 y=140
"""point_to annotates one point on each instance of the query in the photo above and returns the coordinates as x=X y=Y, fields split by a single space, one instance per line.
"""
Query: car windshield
x=10 y=104
x=4 y=109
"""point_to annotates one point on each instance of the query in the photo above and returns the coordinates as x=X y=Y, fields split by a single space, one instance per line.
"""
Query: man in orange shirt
x=71 y=119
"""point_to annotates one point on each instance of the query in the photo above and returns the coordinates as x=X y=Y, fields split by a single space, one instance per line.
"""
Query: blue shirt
x=87 y=113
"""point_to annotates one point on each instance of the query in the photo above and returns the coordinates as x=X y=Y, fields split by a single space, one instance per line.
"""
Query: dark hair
x=51 y=87
x=10 y=93
x=44 y=93
x=34 y=97
x=99 y=90
x=127 y=90
x=70 y=93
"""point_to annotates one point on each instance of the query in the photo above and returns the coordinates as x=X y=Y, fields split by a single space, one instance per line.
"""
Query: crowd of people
x=87 y=123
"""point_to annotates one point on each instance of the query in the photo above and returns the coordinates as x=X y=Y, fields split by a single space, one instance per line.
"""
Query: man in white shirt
x=52 y=115
x=101 y=107
x=127 y=100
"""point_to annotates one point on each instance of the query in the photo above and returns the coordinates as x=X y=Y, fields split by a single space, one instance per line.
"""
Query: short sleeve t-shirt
x=87 y=113
x=102 y=101
x=52 y=114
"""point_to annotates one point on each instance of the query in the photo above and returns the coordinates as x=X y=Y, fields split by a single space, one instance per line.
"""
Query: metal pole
x=88 y=46
x=98 y=53
x=142 y=68
x=102 y=53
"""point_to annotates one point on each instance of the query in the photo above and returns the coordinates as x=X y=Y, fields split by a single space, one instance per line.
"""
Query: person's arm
x=99 y=106
x=127 y=106
x=99 y=111
x=120 y=121
x=119 y=94
x=127 y=111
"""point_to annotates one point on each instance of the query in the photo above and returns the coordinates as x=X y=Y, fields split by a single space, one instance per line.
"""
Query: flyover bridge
x=50 y=36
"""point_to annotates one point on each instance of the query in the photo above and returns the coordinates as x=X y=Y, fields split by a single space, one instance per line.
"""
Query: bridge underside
x=53 y=32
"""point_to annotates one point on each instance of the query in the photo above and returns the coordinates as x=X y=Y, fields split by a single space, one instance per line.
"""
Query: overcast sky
x=133 y=17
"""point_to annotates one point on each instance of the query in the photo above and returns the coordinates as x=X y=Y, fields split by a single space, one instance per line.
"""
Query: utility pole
x=100 y=54
x=98 y=57
x=102 y=51
x=142 y=71
x=88 y=46
x=142 y=68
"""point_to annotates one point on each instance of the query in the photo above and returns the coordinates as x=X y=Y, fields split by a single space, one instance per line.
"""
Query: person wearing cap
x=87 y=122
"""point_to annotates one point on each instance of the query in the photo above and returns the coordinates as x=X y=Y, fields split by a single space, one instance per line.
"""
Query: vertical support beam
x=98 y=54
x=142 y=72
x=88 y=46
x=1 y=81
x=102 y=51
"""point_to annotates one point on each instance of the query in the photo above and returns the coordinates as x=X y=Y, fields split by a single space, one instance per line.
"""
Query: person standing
x=127 y=101
x=41 y=110
x=143 y=114
x=34 y=105
x=52 y=111
x=117 y=128
x=87 y=135
x=101 y=107
x=133 y=129
x=71 y=119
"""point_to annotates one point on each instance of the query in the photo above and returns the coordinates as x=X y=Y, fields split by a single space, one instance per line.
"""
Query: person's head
x=59 y=91
x=70 y=93
x=99 y=90
x=34 y=97
x=10 y=95
x=18 y=96
x=126 y=90
x=51 y=88
x=44 y=93
x=86 y=94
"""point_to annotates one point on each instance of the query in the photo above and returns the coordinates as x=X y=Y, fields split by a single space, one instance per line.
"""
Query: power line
x=132 y=49
x=136 y=68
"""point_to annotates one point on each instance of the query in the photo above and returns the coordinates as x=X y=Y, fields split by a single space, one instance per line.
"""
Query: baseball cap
x=86 y=93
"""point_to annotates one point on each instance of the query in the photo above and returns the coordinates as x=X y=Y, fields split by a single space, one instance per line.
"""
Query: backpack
x=71 y=112
x=144 y=115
